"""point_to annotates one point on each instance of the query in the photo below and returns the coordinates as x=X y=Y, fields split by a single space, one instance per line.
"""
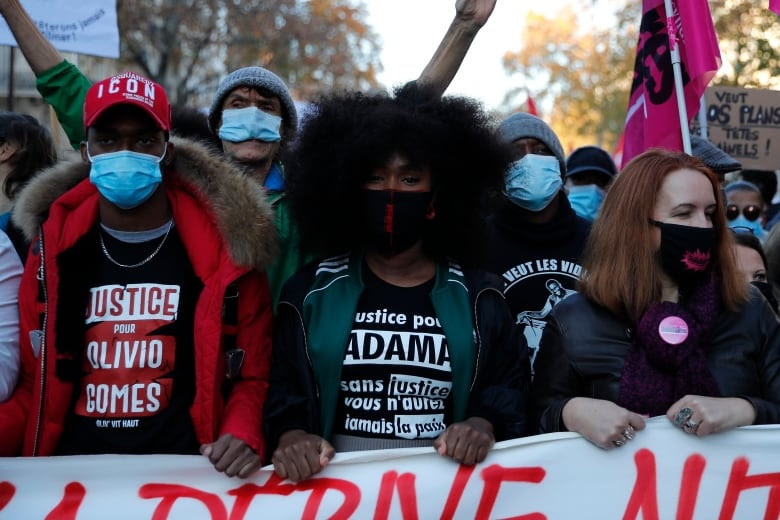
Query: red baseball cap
x=131 y=89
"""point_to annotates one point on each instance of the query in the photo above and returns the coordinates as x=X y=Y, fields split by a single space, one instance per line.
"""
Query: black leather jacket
x=584 y=346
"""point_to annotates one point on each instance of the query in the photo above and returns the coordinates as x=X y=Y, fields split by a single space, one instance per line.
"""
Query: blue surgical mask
x=585 y=200
x=753 y=225
x=127 y=179
x=534 y=181
x=243 y=124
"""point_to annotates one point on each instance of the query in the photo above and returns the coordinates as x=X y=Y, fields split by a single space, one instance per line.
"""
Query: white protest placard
x=663 y=473
x=83 y=26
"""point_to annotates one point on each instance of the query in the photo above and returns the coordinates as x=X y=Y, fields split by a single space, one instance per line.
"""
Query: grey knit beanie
x=260 y=78
x=522 y=125
x=713 y=157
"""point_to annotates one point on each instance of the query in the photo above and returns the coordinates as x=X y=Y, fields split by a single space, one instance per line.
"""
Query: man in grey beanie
x=526 y=133
x=254 y=116
x=253 y=137
x=535 y=180
x=535 y=238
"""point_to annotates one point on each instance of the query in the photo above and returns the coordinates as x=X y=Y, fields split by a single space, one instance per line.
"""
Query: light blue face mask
x=127 y=179
x=243 y=124
x=753 y=225
x=586 y=200
x=534 y=181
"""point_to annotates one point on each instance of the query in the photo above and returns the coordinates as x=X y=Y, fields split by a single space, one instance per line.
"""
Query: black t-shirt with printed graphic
x=396 y=380
x=539 y=263
x=137 y=365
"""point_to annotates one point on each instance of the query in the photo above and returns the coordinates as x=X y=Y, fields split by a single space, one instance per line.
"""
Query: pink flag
x=774 y=5
x=652 y=119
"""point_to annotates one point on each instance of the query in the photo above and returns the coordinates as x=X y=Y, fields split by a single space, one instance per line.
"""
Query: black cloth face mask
x=686 y=252
x=393 y=221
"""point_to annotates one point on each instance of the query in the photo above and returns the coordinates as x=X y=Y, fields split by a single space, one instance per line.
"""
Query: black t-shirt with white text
x=137 y=368
x=396 y=380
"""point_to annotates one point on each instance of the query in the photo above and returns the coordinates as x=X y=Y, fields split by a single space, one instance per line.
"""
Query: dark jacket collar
x=565 y=224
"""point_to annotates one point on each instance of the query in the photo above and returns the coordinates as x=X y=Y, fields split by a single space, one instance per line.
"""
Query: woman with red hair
x=664 y=324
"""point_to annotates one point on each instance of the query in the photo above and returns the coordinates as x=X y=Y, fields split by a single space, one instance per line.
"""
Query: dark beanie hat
x=590 y=159
x=257 y=77
x=713 y=157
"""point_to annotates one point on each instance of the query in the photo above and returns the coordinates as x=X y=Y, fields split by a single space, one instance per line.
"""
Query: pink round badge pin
x=673 y=330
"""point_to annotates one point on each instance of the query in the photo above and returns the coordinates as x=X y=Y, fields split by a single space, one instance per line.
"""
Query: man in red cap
x=136 y=252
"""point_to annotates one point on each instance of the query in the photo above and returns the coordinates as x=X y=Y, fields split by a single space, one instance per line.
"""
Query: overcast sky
x=410 y=31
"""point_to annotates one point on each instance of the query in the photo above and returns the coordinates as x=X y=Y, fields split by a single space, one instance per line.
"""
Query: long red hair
x=620 y=266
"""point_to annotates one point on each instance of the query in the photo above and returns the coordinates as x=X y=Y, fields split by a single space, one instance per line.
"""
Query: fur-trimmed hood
x=243 y=214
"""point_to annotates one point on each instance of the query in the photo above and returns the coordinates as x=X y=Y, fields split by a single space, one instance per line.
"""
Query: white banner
x=663 y=473
x=83 y=26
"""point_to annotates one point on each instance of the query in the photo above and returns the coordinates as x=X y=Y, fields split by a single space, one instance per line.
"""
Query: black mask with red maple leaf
x=686 y=251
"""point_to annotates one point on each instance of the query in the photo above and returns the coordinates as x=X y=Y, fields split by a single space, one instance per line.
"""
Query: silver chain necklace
x=142 y=262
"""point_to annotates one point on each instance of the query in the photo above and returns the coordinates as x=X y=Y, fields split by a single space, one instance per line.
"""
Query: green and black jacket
x=490 y=368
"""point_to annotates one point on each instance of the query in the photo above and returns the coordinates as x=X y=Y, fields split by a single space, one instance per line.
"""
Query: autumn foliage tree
x=313 y=45
x=187 y=45
x=173 y=43
x=585 y=71
x=749 y=40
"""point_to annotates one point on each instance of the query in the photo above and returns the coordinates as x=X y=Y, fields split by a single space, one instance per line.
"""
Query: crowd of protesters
x=260 y=289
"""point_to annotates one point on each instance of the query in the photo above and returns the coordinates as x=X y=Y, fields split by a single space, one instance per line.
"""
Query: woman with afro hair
x=392 y=340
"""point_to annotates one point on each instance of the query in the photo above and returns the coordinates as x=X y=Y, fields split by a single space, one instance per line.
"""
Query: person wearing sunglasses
x=745 y=208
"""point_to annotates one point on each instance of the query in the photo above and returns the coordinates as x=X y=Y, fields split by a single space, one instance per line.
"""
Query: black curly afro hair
x=350 y=134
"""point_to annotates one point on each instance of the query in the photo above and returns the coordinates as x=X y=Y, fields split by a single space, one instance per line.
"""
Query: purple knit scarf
x=656 y=373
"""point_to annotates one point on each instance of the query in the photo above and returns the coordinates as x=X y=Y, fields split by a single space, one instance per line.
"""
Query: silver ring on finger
x=619 y=442
x=691 y=426
x=682 y=416
x=628 y=433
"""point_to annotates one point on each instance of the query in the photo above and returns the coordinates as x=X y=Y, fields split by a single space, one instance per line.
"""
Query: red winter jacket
x=228 y=232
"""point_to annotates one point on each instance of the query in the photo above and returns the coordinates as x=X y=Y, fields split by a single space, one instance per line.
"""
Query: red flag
x=774 y=5
x=532 y=105
x=652 y=118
